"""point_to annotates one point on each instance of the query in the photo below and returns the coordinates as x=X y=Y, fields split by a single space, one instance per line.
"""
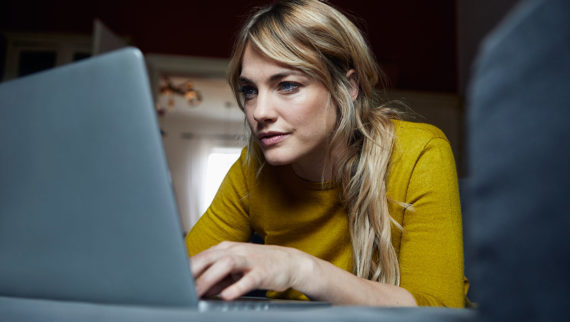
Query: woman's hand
x=232 y=269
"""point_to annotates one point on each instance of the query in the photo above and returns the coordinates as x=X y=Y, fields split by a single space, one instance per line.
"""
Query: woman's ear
x=353 y=79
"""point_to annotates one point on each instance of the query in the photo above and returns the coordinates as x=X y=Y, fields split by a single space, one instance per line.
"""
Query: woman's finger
x=219 y=270
x=220 y=286
x=248 y=282
x=201 y=261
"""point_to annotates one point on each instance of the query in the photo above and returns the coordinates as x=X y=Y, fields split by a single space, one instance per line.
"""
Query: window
x=220 y=161
x=28 y=53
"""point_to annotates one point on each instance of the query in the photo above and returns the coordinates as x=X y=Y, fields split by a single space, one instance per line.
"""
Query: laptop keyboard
x=257 y=304
x=226 y=306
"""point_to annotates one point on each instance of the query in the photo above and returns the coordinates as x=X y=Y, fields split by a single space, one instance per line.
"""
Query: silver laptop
x=87 y=211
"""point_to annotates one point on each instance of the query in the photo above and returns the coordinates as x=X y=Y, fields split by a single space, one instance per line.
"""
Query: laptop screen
x=87 y=211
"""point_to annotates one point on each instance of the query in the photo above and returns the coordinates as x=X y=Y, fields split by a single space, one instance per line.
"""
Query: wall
x=414 y=40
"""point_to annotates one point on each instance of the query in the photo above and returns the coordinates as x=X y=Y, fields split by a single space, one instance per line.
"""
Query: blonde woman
x=354 y=206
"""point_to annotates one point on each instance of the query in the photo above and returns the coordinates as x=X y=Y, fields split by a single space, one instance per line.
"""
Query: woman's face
x=289 y=113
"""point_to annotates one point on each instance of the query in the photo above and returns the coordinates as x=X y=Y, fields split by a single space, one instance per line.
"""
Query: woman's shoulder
x=409 y=132
x=252 y=167
x=413 y=139
x=246 y=164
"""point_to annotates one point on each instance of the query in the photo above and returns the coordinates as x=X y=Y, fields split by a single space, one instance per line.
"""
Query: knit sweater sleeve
x=431 y=250
x=227 y=218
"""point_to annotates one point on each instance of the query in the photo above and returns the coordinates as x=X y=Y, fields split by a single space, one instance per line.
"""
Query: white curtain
x=187 y=156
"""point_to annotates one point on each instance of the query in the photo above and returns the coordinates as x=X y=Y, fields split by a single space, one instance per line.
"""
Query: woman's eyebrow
x=244 y=80
x=274 y=77
x=282 y=75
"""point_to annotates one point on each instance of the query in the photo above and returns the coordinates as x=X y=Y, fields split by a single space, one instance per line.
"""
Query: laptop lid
x=87 y=211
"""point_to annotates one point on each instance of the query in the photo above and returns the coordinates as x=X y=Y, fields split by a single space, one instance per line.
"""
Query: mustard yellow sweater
x=289 y=211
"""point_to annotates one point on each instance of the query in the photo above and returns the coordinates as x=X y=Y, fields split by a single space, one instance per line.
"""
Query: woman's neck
x=317 y=169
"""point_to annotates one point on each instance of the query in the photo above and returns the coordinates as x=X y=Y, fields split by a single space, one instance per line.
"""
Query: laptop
x=87 y=210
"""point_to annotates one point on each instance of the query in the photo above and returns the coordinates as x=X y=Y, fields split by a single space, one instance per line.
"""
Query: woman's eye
x=289 y=86
x=248 y=92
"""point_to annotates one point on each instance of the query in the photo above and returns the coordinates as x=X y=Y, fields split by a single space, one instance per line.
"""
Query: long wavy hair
x=320 y=41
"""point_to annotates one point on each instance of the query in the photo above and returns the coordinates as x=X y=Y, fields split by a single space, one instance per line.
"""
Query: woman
x=354 y=206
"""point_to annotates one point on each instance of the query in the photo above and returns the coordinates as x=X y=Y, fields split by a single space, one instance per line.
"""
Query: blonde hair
x=320 y=41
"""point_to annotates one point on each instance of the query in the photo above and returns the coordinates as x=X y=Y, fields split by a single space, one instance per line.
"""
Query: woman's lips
x=272 y=138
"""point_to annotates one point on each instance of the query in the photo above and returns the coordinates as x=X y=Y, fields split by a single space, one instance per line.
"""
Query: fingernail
x=227 y=295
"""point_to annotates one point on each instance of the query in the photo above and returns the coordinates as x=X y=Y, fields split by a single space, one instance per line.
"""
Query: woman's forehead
x=254 y=63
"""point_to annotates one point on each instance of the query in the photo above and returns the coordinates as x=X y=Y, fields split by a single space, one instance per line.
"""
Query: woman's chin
x=275 y=159
x=276 y=162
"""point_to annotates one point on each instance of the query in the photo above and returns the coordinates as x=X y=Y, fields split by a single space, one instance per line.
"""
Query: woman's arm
x=233 y=269
x=338 y=286
x=431 y=249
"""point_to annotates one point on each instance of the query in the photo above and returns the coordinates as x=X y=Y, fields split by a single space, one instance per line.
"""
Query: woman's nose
x=264 y=110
